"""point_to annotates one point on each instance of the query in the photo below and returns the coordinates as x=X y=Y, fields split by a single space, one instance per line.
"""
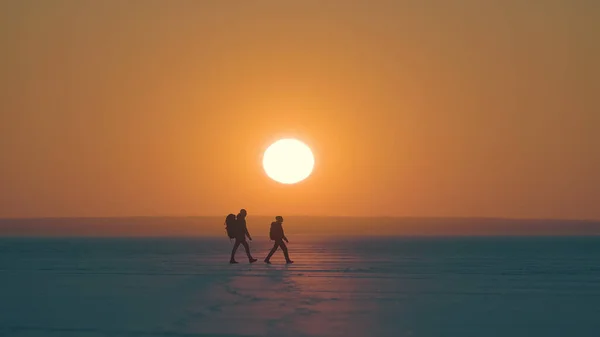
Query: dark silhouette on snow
x=276 y=233
x=240 y=232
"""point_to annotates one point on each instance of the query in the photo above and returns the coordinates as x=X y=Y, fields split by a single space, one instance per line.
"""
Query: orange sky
x=413 y=108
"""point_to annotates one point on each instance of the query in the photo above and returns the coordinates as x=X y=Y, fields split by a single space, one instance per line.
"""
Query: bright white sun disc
x=288 y=161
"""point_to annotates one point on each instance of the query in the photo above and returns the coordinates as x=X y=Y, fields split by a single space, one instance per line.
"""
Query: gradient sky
x=413 y=108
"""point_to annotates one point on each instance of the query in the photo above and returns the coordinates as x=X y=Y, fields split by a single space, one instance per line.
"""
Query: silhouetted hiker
x=240 y=232
x=276 y=234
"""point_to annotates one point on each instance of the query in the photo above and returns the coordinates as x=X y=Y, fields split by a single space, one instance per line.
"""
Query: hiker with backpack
x=276 y=234
x=237 y=229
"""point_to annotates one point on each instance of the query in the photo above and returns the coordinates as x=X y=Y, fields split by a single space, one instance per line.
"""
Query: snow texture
x=519 y=286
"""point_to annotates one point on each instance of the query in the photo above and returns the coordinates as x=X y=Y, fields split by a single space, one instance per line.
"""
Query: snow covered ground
x=337 y=287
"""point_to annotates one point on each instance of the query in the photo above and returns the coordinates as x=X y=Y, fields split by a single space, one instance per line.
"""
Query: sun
x=288 y=161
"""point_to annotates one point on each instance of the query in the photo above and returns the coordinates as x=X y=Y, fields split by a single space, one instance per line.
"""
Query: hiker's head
x=243 y=212
x=279 y=218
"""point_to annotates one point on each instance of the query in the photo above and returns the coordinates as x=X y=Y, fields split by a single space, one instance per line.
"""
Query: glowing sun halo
x=288 y=161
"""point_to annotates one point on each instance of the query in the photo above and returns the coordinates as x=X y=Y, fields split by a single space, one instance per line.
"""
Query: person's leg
x=285 y=252
x=247 y=248
x=275 y=246
x=235 y=247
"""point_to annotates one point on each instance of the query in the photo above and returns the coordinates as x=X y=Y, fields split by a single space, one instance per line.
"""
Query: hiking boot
x=233 y=261
x=289 y=261
x=252 y=260
x=267 y=262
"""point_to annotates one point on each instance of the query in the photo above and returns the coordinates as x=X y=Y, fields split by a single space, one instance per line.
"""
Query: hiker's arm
x=248 y=234
x=284 y=237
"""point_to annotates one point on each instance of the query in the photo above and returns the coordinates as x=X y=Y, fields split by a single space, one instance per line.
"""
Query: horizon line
x=506 y=218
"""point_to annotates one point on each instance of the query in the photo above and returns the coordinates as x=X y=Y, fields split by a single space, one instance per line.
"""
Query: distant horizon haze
x=195 y=226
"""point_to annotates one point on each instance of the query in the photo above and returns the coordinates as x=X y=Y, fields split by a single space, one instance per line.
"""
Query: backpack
x=231 y=226
x=276 y=231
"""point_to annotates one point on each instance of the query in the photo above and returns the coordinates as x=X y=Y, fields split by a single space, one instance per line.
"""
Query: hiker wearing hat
x=276 y=234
